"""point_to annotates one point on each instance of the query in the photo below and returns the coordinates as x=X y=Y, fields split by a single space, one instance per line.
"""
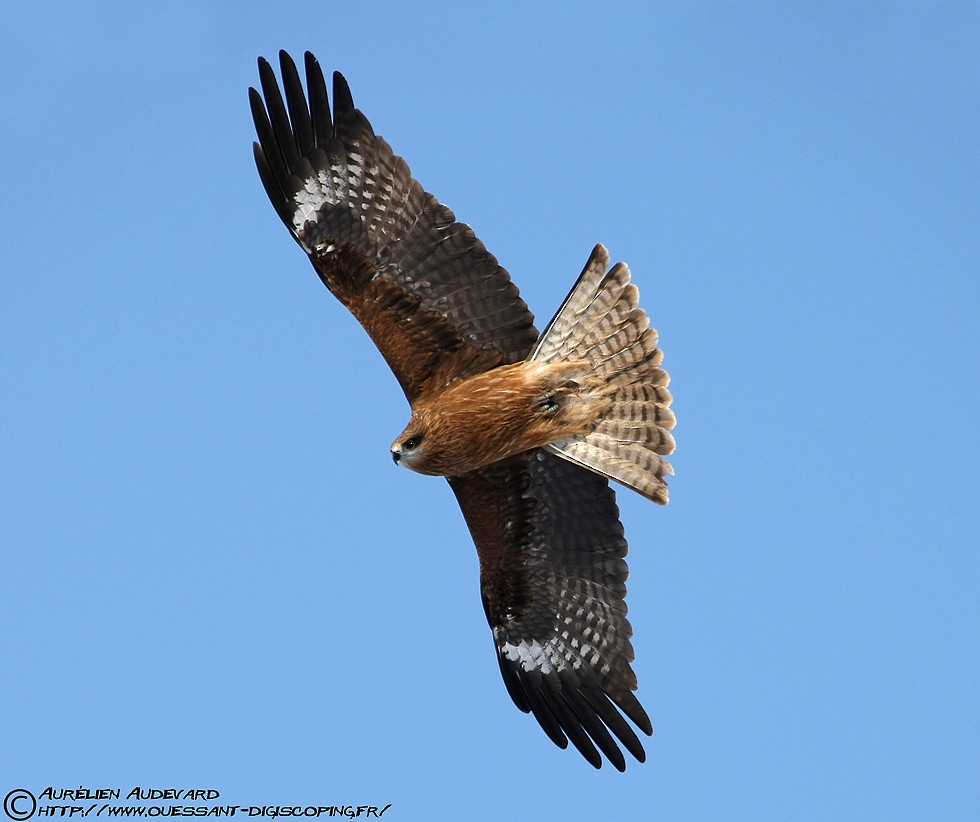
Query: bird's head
x=409 y=447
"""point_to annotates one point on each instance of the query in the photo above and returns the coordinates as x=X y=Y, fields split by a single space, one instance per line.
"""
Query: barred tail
x=601 y=324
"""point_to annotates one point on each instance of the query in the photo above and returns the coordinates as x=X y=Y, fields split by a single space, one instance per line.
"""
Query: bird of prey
x=528 y=428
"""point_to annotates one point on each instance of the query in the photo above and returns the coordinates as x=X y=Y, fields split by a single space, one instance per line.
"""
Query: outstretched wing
x=553 y=578
x=433 y=299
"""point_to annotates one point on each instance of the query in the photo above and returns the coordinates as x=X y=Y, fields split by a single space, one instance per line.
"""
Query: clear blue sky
x=212 y=575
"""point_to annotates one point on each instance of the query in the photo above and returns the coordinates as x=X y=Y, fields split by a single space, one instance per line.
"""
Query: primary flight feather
x=526 y=427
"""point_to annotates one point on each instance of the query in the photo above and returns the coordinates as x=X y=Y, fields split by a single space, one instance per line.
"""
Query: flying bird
x=528 y=428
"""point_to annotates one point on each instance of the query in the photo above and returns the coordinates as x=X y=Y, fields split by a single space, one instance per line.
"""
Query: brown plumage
x=499 y=413
x=526 y=428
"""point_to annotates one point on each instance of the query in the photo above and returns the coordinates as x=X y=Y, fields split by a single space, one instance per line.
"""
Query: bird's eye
x=412 y=443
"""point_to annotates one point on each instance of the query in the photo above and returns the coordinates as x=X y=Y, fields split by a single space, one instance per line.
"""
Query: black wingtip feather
x=299 y=112
x=593 y=726
x=266 y=132
x=268 y=142
x=278 y=197
x=631 y=706
x=543 y=712
x=278 y=116
x=343 y=102
x=323 y=130
x=604 y=709
x=571 y=725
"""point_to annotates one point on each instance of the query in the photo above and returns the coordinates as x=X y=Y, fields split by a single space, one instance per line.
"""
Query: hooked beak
x=395 y=456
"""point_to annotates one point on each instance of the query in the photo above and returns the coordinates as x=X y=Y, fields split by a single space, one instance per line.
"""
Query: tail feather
x=563 y=330
x=644 y=393
x=636 y=468
x=639 y=411
x=612 y=341
x=608 y=314
x=655 y=438
x=627 y=366
x=601 y=324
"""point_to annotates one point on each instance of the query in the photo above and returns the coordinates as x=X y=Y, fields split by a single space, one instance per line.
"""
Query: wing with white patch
x=431 y=296
x=553 y=577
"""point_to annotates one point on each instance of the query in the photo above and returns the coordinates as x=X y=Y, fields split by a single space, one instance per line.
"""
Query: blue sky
x=214 y=577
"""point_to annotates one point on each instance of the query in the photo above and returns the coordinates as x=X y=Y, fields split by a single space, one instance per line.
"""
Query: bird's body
x=527 y=428
x=496 y=414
